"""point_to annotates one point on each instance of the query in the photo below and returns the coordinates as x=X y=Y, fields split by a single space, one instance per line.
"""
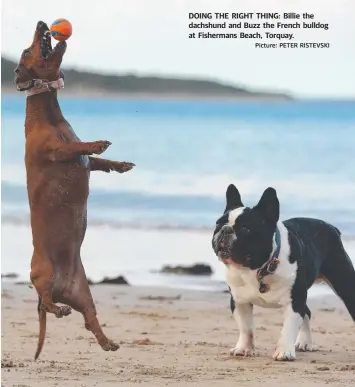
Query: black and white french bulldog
x=272 y=264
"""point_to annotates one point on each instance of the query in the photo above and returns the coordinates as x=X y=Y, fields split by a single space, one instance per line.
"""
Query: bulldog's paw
x=284 y=353
x=241 y=351
x=304 y=342
x=244 y=346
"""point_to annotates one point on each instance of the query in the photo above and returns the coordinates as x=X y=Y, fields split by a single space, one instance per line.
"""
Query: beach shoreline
x=87 y=92
x=128 y=252
x=168 y=337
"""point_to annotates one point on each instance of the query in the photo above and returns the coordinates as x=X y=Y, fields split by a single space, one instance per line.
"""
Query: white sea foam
x=300 y=186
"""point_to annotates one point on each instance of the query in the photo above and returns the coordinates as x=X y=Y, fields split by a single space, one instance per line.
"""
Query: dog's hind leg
x=339 y=273
x=304 y=338
x=42 y=278
x=92 y=324
x=79 y=297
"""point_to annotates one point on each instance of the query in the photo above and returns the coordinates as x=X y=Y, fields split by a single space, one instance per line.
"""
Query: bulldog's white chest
x=245 y=288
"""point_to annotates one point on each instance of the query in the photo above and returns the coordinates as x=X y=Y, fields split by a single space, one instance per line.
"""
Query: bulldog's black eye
x=26 y=53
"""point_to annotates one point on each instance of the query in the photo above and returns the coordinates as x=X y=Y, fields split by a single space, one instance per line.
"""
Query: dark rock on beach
x=197 y=269
x=120 y=280
x=9 y=275
x=160 y=298
x=27 y=283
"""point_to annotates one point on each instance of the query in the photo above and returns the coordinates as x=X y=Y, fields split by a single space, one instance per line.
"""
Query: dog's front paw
x=122 y=166
x=244 y=346
x=241 y=351
x=304 y=342
x=99 y=147
x=285 y=353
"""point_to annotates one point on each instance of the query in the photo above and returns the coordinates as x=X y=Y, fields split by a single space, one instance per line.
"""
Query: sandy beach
x=168 y=337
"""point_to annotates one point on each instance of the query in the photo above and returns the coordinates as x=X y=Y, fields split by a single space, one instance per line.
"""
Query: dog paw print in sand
x=330 y=310
x=8 y=364
x=145 y=314
x=133 y=343
x=347 y=367
x=206 y=344
x=161 y=298
x=323 y=368
x=144 y=341
x=6 y=294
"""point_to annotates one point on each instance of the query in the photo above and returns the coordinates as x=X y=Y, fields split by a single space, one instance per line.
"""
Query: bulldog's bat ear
x=269 y=205
x=233 y=198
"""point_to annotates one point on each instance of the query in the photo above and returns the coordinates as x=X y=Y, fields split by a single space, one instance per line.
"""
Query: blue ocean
x=186 y=154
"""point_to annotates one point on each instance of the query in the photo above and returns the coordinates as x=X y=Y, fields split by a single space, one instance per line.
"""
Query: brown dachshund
x=58 y=168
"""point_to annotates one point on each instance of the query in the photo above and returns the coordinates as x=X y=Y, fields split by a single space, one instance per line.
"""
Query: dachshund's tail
x=42 y=315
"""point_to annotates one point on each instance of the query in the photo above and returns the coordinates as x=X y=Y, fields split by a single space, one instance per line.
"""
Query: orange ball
x=61 y=29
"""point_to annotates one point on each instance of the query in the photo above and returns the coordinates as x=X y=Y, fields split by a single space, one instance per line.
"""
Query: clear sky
x=151 y=37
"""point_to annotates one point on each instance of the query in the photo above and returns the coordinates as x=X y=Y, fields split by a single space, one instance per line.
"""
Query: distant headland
x=95 y=84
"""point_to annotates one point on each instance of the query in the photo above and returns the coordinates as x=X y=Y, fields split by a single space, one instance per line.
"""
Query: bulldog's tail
x=42 y=315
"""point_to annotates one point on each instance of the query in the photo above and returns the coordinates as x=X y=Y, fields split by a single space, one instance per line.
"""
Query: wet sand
x=183 y=341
